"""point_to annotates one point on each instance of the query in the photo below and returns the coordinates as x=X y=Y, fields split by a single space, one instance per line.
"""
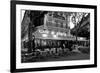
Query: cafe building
x=54 y=33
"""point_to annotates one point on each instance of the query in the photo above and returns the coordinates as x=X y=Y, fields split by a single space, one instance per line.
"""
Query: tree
x=35 y=17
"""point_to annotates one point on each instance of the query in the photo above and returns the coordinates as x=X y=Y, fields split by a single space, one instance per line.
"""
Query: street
x=67 y=57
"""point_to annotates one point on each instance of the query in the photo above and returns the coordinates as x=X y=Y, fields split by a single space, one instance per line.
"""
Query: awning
x=49 y=35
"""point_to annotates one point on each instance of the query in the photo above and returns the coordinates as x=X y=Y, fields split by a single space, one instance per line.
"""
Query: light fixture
x=55 y=36
x=81 y=38
x=44 y=35
x=65 y=34
x=52 y=32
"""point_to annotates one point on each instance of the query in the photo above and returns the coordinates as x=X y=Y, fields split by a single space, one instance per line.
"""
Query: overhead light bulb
x=52 y=32
x=44 y=35
x=55 y=36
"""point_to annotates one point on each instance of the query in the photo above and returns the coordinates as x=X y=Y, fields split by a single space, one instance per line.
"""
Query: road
x=70 y=57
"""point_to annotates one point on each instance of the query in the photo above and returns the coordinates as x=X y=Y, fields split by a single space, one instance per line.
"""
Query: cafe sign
x=52 y=32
